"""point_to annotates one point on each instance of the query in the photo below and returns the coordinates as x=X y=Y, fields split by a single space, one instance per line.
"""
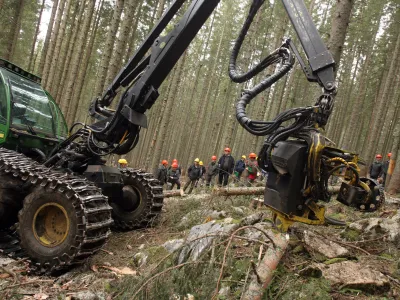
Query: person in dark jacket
x=173 y=176
x=179 y=167
x=212 y=171
x=226 y=164
x=385 y=168
x=376 y=169
x=162 y=172
x=194 y=174
x=240 y=167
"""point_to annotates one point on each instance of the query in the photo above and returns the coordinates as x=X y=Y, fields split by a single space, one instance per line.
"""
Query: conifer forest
x=78 y=48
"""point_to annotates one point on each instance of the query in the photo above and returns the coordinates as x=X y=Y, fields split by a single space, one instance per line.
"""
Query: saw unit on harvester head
x=58 y=199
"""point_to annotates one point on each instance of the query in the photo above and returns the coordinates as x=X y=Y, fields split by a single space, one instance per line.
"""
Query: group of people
x=197 y=172
x=379 y=168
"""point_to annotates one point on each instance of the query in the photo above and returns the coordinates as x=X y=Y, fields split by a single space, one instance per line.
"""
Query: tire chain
x=155 y=196
x=91 y=207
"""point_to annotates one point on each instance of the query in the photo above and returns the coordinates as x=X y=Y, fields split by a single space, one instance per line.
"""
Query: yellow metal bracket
x=284 y=221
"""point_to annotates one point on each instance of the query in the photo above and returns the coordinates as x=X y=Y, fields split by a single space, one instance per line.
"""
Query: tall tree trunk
x=16 y=30
x=108 y=49
x=168 y=112
x=378 y=117
x=48 y=37
x=132 y=38
x=69 y=103
x=393 y=176
x=68 y=50
x=83 y=103
x=53 y=41
x=120 y=48
x=160 y=9
x=35 y=37
x=340 y=23
x=58 y=57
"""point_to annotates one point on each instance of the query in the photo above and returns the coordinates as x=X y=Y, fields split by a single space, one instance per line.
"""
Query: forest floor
x=151 y=263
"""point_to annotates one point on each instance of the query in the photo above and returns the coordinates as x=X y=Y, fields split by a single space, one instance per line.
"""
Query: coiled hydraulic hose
x=282 y=56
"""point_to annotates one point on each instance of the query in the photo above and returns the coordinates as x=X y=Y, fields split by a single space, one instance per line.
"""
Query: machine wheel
x=64 y=218
x=141 y=203
x=376 y=199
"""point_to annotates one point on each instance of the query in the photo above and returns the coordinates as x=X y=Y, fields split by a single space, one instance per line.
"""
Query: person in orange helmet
x=173 y=177
x=252 y=169
x=226 y=164
x=212 y=171
x=162 y=172
x=179 y=167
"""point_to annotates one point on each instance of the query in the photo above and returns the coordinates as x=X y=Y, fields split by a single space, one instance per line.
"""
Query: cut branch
x=266 y=268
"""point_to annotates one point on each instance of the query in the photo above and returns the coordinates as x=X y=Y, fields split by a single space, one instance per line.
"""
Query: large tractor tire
x=64 y=218
x=141 y=203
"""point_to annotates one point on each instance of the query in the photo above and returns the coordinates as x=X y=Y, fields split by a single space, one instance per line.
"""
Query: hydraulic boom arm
x=118 y=131
x=143 y=74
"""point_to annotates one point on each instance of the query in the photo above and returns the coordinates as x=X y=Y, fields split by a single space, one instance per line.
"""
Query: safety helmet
x=227 y=149
x=123 y=161
x=197 y=160
x=174 y=160
x=378 y=156
x=389 y=155
x=174 y=165
x=253 y=155
x=164 y=162
x=201 y=163
x=214 y=158
x=244 y=156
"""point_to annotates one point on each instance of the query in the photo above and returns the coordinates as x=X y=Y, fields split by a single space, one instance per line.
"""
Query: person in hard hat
x=252 y=169
x=203 y=174
x=212 y=171
x=194 y=173
x=376 y=169
x=162 y=172
x=226 y=165
x=385 y=168
x=123 y=163
x=173 y=177
x=240 y=167
x=179 y=167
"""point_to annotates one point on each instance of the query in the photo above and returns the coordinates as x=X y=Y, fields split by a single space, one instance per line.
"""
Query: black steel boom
x=144 y=72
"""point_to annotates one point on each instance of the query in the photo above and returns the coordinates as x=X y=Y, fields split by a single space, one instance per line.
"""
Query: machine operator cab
x=29 y=118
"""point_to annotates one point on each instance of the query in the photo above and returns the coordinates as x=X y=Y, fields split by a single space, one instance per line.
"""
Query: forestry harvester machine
x=58 y=199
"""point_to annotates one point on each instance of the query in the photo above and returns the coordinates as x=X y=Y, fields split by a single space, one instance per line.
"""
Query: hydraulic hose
x=281 y=55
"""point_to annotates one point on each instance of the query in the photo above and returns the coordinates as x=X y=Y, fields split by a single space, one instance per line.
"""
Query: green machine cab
x=30 y=121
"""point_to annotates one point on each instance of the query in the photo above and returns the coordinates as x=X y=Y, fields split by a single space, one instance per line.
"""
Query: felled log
x=262 y=275
x=257 y=191
x=174 y=193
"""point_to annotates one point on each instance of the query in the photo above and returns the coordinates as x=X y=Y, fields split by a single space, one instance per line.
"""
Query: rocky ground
x=206 y=248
